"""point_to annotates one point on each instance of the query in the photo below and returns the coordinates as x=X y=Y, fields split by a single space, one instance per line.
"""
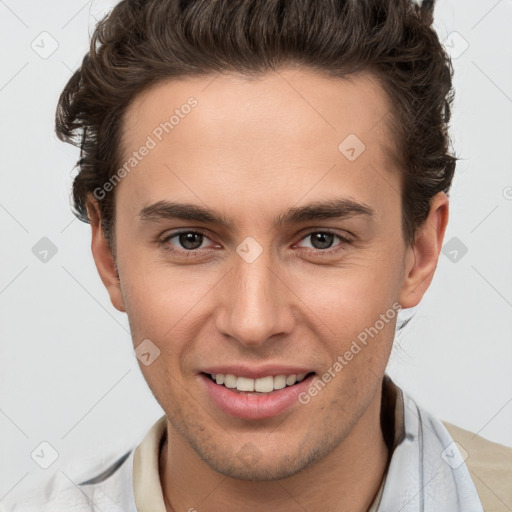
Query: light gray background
x=68 y=375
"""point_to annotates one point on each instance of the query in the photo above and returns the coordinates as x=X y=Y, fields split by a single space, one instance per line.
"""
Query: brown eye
x=187 y=242
x=323 y=241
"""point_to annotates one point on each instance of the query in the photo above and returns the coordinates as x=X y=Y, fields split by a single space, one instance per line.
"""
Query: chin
x=251 y=464
x=259 y=472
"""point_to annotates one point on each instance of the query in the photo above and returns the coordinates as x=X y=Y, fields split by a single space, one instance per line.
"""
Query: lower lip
x=254 y=407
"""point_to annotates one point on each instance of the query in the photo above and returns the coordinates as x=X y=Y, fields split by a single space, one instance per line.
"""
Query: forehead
x=285 y=100
x=291 y=132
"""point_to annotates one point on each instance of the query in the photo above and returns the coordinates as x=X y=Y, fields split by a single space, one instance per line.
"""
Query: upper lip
x=256 y=372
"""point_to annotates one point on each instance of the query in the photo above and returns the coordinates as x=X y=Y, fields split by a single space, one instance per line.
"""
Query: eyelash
x=191 y=253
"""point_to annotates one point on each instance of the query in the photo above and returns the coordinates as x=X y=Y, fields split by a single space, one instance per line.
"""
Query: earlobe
x=103 y=257
x=423 y=256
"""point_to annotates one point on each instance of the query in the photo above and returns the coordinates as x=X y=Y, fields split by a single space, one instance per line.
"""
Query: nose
x=257 y=303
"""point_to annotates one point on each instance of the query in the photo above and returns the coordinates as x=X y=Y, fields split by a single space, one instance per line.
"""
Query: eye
x=188 y=242
x=322 y=241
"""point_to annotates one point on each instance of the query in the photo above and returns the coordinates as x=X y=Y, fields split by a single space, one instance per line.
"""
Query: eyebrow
x=337 y=208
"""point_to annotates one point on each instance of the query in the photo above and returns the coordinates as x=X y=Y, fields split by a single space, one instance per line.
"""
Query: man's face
x=257 y=297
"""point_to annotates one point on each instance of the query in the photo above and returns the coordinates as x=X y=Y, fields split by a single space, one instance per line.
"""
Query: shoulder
x=85 y=485
x=490 y=467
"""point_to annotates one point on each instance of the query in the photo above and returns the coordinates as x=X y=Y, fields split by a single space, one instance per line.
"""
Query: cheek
x=170 y=307
x=353 y=295
x=158 y=295
x=356 y=310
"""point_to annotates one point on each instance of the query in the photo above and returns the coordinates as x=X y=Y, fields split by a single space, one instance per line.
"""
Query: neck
x=347 y=479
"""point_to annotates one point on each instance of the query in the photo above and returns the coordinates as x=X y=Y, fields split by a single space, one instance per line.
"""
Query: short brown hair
x=142 y=42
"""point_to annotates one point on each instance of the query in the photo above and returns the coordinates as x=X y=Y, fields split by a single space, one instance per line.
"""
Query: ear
x=103 y=256
x=423 y=255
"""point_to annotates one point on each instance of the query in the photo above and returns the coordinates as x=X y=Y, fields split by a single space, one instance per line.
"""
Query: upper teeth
x=261 y=385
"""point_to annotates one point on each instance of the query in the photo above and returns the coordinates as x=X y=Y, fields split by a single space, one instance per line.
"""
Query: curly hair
x=141 y=42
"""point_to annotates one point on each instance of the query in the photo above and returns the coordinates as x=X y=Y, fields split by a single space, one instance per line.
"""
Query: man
x=266 y=184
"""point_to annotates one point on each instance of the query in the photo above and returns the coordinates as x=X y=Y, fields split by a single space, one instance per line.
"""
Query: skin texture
x=251 y=149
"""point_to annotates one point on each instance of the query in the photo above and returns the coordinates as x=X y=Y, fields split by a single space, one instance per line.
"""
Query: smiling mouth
x=261 y=386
